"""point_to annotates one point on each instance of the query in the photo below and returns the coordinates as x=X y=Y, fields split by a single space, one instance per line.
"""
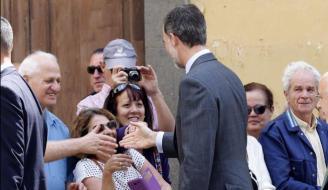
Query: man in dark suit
x=23 y=136
x=210 y=135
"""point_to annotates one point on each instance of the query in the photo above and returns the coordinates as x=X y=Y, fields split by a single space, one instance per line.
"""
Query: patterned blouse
x=88 y=168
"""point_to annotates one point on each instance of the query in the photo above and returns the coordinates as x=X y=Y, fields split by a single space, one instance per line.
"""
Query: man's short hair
x=32 y=62
x=6 y=36
x=187 y=23
x=97 y=51
x=293 y=67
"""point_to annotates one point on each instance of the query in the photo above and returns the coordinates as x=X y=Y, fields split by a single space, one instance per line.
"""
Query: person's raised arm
x=149 y=82
x=92 y=143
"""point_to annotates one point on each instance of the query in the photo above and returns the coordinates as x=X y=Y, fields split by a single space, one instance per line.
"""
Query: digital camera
x=133 y=74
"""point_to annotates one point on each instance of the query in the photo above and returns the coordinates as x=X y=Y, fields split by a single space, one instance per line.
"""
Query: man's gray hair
x=7 y=36
x=293 y=67
x=31 y=63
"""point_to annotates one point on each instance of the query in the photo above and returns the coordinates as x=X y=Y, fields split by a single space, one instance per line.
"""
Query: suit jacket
x=210 y=136
x=23 y=136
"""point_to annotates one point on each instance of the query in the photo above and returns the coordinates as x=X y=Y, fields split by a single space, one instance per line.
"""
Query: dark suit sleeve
x=12 y=140
x=198 y=120
x=278 y=162
x=169 y=145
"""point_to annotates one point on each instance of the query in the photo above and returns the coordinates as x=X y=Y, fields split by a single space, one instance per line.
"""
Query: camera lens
x=134 y=76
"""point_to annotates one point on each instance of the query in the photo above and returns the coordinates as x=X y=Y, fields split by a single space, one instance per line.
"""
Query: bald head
x=323 y=101
x=41 y=71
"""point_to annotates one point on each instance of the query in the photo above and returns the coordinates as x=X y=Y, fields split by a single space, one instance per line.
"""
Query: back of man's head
x=6 y=37
x=187 y=23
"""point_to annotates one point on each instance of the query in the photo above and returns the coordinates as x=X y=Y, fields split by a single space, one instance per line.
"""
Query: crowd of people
x=124 y=131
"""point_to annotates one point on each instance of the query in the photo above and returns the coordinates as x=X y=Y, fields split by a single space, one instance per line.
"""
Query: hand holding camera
x=123 y=75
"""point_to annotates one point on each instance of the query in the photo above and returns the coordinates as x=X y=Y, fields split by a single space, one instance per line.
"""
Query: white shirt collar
x=6 y=64
x=193 y=58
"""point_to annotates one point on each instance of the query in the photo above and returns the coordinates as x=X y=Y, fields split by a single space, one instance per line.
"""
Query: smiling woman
x=129 y=102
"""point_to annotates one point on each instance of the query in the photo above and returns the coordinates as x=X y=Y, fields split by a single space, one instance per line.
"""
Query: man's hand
x=99 y=144
x=149 y=80
x=116 y=76
x=139 y=137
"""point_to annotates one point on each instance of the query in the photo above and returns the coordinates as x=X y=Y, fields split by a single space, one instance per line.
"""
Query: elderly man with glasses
x=295 y=144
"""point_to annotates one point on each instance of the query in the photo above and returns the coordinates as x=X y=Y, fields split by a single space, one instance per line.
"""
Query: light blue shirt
x=56 y=171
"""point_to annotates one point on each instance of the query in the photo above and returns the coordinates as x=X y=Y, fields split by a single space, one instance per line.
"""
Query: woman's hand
x=149 y=80
x=117 y=162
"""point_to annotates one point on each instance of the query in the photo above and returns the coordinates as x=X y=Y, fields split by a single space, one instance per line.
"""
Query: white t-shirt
x=87 y=168
x=257 y=164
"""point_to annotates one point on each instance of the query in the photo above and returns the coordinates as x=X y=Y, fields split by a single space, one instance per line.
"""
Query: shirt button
x=302 y=134
x=293 y=168
x=311 y=153
x=313 y=175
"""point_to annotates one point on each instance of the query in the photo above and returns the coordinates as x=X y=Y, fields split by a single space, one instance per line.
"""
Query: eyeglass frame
x=112 y=124
x=257 y=109
x=92 y=69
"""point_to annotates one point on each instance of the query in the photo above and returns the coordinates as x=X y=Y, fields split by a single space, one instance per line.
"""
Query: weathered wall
x=155 y=55
x=257 y=38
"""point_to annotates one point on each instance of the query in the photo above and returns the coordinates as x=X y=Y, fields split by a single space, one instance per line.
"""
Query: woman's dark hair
x=267 y=92
x=134 y=94
x=81 y=123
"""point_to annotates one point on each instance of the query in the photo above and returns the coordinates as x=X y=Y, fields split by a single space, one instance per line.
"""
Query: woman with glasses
x=110 y=171
x=130 y=104
x=260 y=109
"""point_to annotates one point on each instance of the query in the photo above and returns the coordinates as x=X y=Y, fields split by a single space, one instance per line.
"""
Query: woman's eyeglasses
x=110 y=125
x=113 y=124
x=91 y=69
x=121 y=87
x=258 y=109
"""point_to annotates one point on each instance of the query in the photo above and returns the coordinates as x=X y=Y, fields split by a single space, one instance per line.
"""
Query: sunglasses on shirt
x=258 y=109
x=91 y=69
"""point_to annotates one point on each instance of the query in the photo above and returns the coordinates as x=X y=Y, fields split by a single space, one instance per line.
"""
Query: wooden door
x=72 y=29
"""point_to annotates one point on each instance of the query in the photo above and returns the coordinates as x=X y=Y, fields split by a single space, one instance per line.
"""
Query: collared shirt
x=6 y=64
x=56 y=171
x=94 y=101
x=193 y=58
x=311 y=134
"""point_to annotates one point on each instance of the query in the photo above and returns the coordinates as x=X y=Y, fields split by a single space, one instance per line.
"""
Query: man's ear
x=174 y=39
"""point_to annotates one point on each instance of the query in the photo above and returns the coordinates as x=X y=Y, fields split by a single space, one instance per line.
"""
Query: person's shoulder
x=323 y=125
x=52 y=117
x=85 y=162
x=277 y=124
